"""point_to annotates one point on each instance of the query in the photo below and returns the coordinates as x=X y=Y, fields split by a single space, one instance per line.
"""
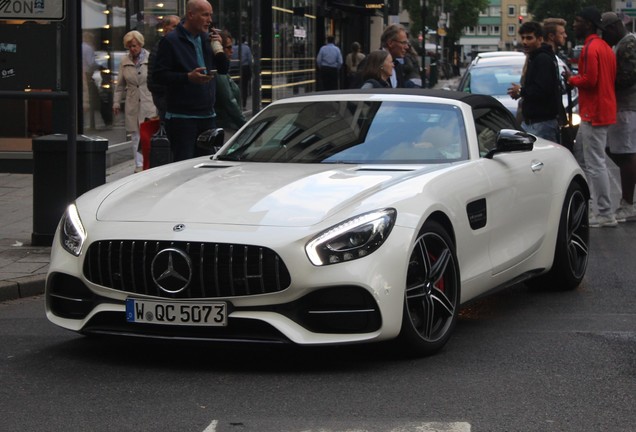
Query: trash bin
x=50 y=174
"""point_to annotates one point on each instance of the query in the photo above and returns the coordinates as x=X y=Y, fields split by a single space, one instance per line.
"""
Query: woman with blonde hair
x=377 y=70
x=132 y=79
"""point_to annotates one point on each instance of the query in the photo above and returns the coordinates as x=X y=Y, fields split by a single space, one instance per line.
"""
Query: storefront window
x=104 y=24
x=291 y=68
x=29 y=62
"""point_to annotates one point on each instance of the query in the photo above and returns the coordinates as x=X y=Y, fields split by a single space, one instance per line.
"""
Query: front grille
x=215 y=269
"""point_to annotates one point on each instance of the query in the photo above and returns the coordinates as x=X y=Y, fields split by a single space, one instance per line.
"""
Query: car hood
x=291 y=195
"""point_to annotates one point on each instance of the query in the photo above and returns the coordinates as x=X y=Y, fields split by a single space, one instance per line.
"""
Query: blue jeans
x=183 y=134
x=548 y=129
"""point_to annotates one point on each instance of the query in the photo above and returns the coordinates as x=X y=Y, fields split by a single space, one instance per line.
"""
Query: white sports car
x=332 y=218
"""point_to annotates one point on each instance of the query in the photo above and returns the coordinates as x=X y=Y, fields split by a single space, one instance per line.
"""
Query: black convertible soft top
x=474 y=100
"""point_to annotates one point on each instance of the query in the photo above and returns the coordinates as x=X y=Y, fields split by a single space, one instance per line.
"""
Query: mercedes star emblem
x=171 y=270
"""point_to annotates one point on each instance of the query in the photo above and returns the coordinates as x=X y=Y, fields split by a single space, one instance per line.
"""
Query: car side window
x=465 y=87
x=488 y=122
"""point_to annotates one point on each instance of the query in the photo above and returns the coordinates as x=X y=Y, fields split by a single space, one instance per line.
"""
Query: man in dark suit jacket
x=394 y=40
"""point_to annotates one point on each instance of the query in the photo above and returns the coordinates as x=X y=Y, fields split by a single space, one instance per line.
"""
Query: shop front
x=283 y=37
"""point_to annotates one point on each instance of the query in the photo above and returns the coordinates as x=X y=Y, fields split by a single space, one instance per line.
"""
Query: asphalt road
x=520 y=360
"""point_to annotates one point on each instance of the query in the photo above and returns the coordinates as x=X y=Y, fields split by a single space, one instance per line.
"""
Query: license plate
x=176 y=313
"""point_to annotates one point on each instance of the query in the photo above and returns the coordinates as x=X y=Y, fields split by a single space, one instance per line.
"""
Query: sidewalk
x=23 y=267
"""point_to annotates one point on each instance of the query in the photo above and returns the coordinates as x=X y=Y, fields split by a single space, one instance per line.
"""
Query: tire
x=572 y=245
x=432 y=294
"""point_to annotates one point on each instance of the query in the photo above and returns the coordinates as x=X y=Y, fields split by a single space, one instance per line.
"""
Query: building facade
x=284 y=36
x=496 y=29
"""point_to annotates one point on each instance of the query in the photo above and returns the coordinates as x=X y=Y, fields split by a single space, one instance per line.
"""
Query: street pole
x=256 y=54
x=74 y=49
x=424 y=32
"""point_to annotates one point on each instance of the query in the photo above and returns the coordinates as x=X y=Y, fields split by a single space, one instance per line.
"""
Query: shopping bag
x=146 y=130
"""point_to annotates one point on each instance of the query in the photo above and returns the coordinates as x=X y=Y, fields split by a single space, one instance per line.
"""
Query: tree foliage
x=463 y=13
x=566 y=9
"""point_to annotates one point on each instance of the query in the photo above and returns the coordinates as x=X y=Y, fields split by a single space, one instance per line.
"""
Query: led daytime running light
x=73 y=234
x=381 y=223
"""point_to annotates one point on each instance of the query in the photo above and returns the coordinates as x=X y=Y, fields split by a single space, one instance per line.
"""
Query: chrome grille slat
x=230 y=270
x=193 y=281
x=201 y=269
x=260 y=267
x=143 y=262
x=120 y=254
x=99 y=269
x=131 y=263
x=110 y=263
x=218 y=270
x=245 y=272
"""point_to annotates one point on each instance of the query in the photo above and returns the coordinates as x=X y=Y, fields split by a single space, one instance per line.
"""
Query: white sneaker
x=603 y=221
x=626 y=212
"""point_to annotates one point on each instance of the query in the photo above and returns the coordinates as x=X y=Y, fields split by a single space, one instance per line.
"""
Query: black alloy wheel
x=572 y=247
x=432 y=292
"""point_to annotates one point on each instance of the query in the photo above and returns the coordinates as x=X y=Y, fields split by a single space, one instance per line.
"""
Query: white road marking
x=436 y=427
x=211 y=427
x=405 y=427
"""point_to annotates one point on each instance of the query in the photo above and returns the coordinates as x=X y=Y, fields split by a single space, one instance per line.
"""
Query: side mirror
x=510 y=140
x=210 y=141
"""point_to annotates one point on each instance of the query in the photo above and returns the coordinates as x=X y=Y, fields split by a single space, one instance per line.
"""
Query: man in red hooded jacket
x=597 y=107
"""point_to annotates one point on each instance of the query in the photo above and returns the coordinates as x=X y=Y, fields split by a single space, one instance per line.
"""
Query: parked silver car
x=492 y=74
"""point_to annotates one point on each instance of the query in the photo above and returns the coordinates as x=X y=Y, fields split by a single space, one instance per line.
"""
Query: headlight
x=72 y=234
x=352 y=239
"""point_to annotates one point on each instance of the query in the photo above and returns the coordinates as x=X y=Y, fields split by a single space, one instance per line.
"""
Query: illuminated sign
x=49 y=10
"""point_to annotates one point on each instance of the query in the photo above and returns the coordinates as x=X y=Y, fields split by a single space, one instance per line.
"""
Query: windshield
x=352 y=132
x=493 y=80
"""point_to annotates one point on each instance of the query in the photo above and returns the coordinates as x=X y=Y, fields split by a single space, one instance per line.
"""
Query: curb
x=28 y=286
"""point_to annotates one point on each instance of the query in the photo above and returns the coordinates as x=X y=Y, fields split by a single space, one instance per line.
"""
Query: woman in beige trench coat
x=132 y=79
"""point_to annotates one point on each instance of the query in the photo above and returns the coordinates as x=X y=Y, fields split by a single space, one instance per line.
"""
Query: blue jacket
x=176 y=57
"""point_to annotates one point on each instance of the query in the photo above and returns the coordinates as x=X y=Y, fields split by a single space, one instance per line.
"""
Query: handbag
x=160 y=151
x=210 y=141
x=568 y=131
x=568 y=135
